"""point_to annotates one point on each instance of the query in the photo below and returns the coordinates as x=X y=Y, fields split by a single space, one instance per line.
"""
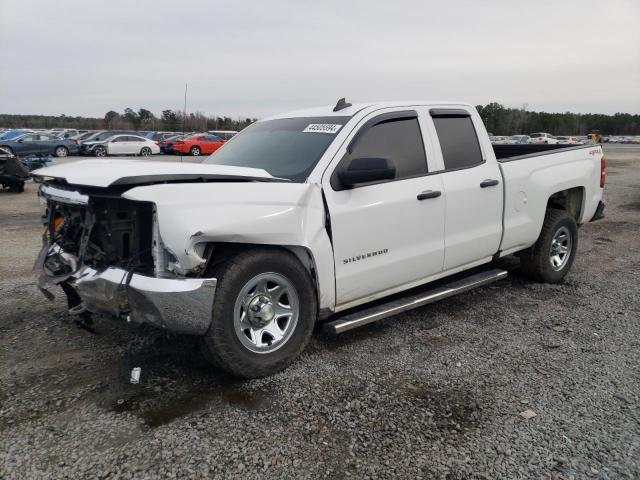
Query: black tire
x=61 y=151
x=221 y=344
x=100 y=151
x=195 y=151
x=17 y=187
x=536 y=261
x=145 y=152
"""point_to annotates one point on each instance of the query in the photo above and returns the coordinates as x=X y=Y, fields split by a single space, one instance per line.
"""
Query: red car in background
x=201 y=144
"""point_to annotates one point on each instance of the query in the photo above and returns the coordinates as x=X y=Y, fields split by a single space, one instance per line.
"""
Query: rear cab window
x=458 y=138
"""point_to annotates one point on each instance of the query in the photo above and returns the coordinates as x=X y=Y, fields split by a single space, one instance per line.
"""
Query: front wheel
x=100 y=151
x=551 y=257
x=61 y=151
x=145 y=152
x=264 y=312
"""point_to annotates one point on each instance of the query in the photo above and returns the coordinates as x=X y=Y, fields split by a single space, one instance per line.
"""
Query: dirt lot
x=433 y=393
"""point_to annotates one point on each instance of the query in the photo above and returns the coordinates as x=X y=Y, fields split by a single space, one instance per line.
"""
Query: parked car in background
x=223 y=134
x=40 y=144
x=13 y=173
x=84 y=136
x=518 y=139
x=64 y=132
x=499 y=139
x=542 y=138
x=104 y=134
x=159 y=136
x=564 y=140
x=201 y=144
x=121 y=145
x=166 y=145
x=10 y=134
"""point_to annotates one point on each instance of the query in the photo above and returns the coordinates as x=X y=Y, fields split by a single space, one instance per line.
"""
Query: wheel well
x=570 y=200
x=219 y=252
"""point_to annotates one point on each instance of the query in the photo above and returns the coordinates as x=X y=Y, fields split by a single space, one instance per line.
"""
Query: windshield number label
x=322 y=128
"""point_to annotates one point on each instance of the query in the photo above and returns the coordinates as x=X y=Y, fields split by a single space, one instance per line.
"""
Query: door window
x=458 y=139
x=398 y=140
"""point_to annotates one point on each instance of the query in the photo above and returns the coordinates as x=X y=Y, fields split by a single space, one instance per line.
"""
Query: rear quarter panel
x=530 y=182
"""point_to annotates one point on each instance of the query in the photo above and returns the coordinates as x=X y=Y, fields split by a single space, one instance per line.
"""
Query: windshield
x=103 y=136
x=286 y=148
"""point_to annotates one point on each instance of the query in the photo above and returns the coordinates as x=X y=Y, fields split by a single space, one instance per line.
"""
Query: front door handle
x=489 y=182
x=429 y=194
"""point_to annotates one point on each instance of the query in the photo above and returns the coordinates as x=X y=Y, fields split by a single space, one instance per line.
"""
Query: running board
x=393 y=307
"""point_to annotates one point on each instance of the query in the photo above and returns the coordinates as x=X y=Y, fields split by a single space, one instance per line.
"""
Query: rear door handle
x=489 y=182
x=429 y=194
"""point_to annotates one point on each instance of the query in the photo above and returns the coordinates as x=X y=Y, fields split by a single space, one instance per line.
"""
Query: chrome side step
x=393 y=307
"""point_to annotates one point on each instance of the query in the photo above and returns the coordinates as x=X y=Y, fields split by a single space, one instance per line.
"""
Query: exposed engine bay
x=106 y=254
x=107 y=231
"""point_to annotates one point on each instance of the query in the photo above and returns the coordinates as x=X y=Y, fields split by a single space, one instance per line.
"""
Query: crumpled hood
x=105 y=173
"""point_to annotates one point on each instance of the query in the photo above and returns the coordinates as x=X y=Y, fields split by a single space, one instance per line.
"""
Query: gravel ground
x=432 y=393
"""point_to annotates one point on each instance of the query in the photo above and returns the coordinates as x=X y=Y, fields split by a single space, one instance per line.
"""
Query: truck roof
x=327 y=110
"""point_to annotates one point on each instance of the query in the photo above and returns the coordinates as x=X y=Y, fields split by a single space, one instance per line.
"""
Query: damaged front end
x=107 y=255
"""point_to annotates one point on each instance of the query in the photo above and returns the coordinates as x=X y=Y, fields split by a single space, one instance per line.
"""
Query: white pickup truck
x=342 y=214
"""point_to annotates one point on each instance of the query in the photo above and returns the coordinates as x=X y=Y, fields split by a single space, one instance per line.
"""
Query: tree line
x=501 y=120
x=498 y=119
x=129 y=119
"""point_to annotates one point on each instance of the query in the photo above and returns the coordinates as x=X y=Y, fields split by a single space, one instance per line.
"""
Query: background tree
x=133 y=118
x=109 y=117
x=147 y=118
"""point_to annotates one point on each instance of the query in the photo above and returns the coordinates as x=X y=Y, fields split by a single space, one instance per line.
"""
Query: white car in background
x=543 y=138
x=122 y=145
x=498 y=139
x=518 y=139
x=564 y=140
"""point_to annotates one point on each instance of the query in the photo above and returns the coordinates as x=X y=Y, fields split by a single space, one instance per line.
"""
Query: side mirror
x=364 y=170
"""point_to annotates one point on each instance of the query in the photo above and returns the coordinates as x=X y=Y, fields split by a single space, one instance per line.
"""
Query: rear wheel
x=100 y=151
x=61 y=151
x=195 y=151
x=145 y=152
x=551 y=257
x=263 y=315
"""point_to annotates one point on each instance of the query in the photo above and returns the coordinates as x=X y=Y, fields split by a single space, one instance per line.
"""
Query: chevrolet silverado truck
x=344 y=215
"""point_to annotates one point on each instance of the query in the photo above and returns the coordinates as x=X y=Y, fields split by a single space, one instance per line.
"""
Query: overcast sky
x=254 y=58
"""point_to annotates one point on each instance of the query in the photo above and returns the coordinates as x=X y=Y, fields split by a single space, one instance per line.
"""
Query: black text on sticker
x=322 y=128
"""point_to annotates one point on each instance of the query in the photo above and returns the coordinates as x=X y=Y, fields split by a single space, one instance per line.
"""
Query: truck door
x=473 y=182
x=386 y=234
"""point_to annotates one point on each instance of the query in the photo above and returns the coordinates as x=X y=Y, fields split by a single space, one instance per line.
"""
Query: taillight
x=603 y=171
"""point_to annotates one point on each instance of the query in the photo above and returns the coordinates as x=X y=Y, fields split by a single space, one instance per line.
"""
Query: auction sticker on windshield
x=322 y=128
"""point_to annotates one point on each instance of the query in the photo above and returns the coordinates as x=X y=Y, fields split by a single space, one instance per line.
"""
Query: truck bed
x=507 y=153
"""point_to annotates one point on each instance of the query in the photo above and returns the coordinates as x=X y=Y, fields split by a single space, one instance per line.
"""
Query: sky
x=257 y=58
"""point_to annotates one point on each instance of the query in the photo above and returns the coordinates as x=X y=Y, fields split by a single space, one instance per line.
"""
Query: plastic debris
x=135 y=375
x=527 y=414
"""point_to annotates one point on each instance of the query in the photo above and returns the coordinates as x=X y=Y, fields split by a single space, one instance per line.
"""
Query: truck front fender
x=270 y=213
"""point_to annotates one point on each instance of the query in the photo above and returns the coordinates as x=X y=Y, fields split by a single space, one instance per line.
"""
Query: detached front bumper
x=181 y=305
